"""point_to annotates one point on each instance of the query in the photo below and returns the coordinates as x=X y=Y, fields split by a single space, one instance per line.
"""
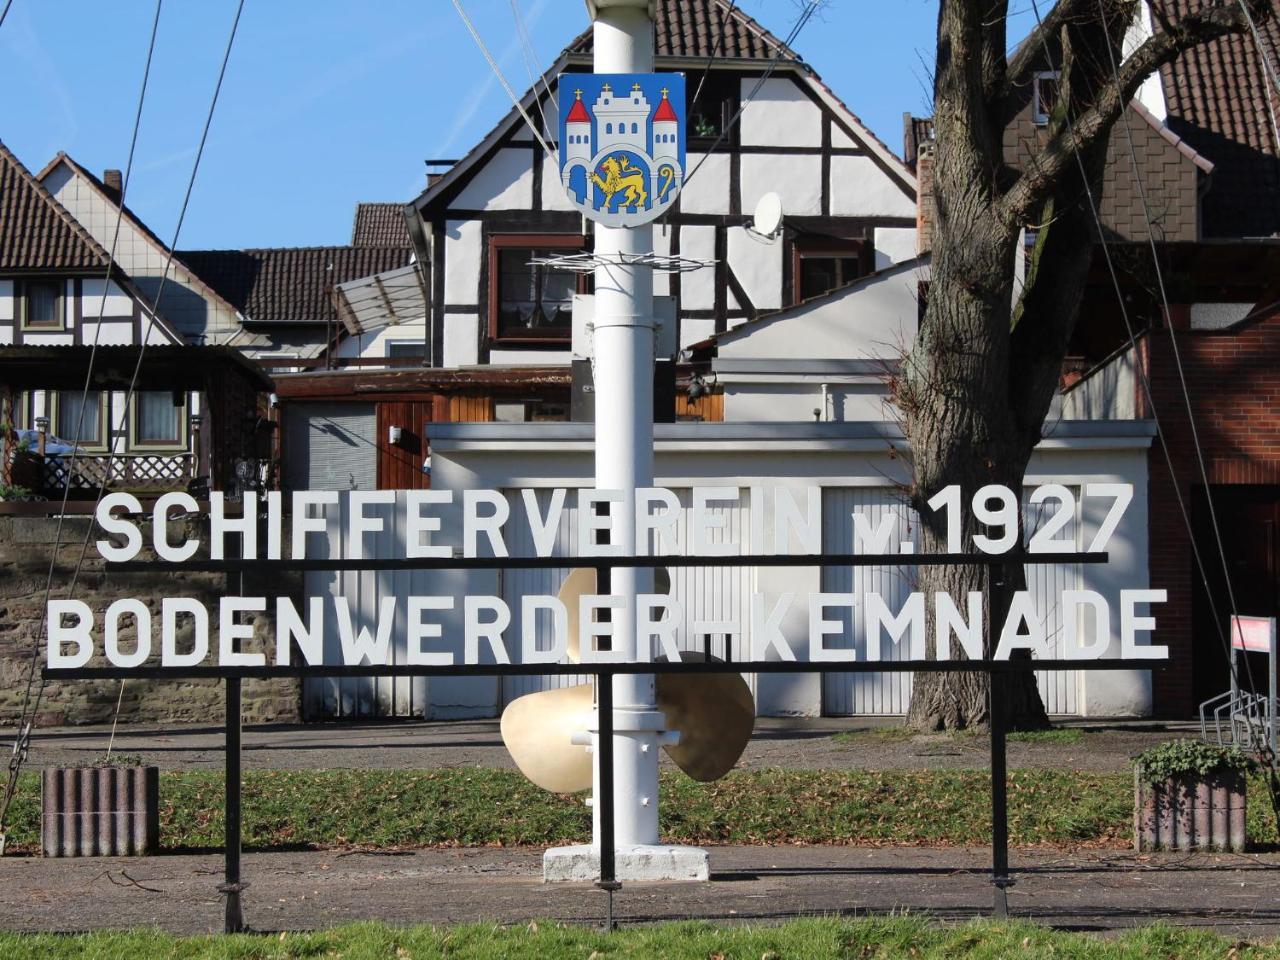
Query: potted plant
x=109 y=809
x=1190 y=795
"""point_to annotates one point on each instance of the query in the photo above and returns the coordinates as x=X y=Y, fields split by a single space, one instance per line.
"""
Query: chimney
x=114 y=182
x=925 y=155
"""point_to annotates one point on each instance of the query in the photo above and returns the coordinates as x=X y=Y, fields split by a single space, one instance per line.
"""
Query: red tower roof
x=578 y=113
x=665 y=111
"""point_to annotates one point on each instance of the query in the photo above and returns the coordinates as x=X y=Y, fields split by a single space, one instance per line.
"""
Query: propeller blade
x=537 y=728
x=577 y=584
x=715 y=714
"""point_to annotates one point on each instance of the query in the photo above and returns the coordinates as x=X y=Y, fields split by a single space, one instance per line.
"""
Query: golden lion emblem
x=621 y=177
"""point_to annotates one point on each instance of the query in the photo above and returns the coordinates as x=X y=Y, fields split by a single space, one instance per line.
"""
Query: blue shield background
x=621 y=131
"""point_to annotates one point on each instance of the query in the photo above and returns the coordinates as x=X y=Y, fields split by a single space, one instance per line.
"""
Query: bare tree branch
x=1025 y=58
x=1094 y=124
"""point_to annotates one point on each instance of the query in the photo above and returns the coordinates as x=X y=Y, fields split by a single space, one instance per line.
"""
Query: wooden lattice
x=145 y=472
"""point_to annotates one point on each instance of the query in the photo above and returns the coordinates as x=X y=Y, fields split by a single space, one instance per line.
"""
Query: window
x=159 y=417
x=1044 y=96
x=822 y=264
x=407 y=348
x=716 y=103
x=531 y=304
x=70 y=425
x=42 y=305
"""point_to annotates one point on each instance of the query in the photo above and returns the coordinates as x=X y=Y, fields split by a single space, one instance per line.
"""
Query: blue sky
x=328 y=102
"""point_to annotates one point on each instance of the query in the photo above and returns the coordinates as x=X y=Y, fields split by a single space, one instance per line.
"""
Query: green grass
x=1056 y=735
x=479 y=807
x=816 y=939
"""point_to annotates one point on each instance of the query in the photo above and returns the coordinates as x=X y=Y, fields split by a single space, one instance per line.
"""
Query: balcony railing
x=82 y=475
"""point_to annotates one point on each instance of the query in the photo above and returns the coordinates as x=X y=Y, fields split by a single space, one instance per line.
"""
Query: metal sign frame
x=233 y=884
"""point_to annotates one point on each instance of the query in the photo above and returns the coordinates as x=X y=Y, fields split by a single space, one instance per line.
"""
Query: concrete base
x=582 y=862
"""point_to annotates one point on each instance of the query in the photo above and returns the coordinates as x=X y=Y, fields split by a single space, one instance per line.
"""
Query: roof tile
x=289 y=284
x=37 y=232
x=1216 y=95
x=379 y=225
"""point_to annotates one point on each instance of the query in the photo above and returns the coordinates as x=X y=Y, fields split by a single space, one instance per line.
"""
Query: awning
x=382 y=300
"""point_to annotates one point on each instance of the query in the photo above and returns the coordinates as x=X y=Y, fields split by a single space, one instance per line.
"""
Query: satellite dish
x=768 y=219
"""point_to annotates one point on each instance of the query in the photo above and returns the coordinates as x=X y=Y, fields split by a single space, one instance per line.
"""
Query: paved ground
x=1233 y=894
x=797 y=744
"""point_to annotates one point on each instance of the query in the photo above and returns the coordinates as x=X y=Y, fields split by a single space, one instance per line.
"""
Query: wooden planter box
x=1190 y=813
x=100 y=811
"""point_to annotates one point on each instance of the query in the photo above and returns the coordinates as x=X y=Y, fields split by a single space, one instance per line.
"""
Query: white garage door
x=849 y=694
x=330 y=446
x=361 y=697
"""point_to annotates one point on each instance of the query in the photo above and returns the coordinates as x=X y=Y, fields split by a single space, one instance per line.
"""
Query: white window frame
x=1038 y=116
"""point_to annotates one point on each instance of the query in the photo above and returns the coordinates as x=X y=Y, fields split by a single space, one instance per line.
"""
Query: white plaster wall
x=374 y=343
x=661 y=245
x=117 y=302
x=841 y=140
x=780 y=115
x=698 y=287
x=531 y=358
x=33 y=339
x=758 y=267
x=504 y=182
x=894 y=244
x=553 y=192
x=461 y=346
x=695 y=330
x=113 y=333
x=875 y=319
x=797 y=402
x=198 y=314
x=708 y=190
x=462 y=255
x=860 y=188
x=1218 y=316
x=6 y=300
x=796 y=179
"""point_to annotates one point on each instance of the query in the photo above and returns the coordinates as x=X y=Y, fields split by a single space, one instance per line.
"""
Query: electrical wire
x=1143 y=375
x=773 y=65
x=5 y=12
x=497 y=72
x=23 y=733
x=530 y=58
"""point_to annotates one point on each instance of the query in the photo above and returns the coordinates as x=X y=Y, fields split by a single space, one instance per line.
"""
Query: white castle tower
x=576 y=148
x=666 y=150
x=622 y=120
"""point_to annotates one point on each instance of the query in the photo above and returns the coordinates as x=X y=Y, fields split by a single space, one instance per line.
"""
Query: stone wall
x=26 y=547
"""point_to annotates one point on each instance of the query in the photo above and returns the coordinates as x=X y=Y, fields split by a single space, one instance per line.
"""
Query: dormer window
x=1044 y=96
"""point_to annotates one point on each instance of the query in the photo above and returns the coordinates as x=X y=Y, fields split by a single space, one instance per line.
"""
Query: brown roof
x=37 y=232
x=1216 y=96
x=379 y=225
x=289 y=284
x=692 y=28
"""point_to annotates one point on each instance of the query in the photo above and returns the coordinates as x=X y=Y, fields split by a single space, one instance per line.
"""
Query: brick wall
x=26 y=545
x=1233 y=378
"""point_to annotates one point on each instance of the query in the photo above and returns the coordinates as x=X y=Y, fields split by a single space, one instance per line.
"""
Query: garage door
x=847 y=694
x=333 y=698
x=330 y=446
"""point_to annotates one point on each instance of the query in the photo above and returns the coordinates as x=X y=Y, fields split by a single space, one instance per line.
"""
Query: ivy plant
x=1189 y=758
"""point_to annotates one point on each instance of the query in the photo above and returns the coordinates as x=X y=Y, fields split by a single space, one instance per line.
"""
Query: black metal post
x=604 y=800
x=998 y=712
x=232 y=886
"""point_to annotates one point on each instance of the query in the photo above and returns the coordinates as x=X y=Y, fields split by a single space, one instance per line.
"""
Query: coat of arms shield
x=622 y=142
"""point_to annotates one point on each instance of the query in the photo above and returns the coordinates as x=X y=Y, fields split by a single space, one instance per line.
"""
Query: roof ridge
x=84 y=236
